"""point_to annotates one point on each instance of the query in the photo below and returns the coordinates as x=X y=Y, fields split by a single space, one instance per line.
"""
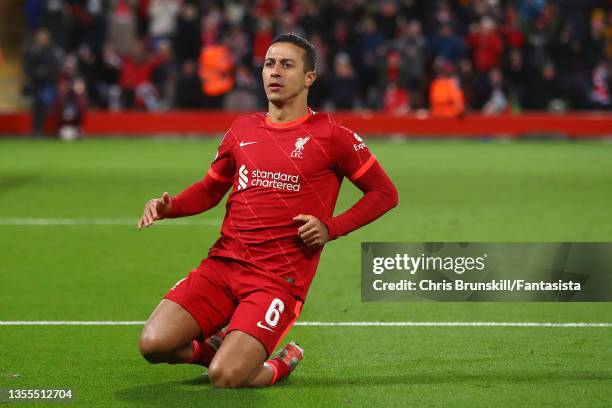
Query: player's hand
x=155 y=209
x=314 y=232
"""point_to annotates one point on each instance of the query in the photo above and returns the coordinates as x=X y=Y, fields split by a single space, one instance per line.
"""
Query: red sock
x=203 y=354
x=280 y=370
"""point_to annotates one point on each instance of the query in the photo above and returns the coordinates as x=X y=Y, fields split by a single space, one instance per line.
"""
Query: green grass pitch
x=449 y=191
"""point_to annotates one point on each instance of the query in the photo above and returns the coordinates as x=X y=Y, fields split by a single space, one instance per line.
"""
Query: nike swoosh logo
x=246 y=143
x=260 y=325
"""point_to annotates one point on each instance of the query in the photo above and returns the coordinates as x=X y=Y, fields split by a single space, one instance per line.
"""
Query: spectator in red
x=511 y=30
x=393 y=68
x=392 y=71
x=261 y=41
x=135 y=78
x=486 y=45
x=396 y=100
x=70 y=105
x=267 y=8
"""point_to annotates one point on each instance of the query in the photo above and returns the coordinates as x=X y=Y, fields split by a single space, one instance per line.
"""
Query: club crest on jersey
x=299 y=147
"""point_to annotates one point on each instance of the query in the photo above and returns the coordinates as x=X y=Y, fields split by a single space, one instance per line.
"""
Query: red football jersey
x=278 y=172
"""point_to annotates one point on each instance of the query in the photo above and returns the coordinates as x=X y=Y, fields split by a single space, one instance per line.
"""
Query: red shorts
x=223 y=291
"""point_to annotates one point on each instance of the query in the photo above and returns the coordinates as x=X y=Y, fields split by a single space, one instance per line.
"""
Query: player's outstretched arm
x=155 y=209
x=195 y=199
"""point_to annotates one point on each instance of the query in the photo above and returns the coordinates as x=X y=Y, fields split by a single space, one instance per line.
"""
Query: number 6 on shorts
x=274 y=311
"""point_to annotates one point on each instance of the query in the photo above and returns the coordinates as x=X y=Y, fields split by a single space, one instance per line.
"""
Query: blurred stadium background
x=492 y=117
x=408 y=58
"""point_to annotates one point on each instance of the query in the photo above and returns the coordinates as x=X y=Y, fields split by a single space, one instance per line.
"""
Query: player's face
x=283 y=72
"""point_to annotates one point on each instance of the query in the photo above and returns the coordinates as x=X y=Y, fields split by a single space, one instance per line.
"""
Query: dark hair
x=310 y=55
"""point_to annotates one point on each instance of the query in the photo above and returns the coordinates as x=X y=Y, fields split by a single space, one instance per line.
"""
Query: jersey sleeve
x=223 y=166
x=208 y=192
x=349 y=153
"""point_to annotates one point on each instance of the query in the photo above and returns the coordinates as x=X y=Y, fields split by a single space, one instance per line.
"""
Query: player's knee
x=225 y=377
x=153 y=348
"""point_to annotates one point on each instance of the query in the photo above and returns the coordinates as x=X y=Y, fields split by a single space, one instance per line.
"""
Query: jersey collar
x=287 y=125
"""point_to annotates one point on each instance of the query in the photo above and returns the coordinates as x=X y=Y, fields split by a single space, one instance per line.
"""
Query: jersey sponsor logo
x=243 y=177
x=242 y=144
x=299 y=147
x=261 y=326
x=262 y=178
x=359 y=146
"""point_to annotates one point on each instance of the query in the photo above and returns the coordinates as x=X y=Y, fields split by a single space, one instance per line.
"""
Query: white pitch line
x=46 y=222
x=332 y=324
x=455 y=324
x=70 y=323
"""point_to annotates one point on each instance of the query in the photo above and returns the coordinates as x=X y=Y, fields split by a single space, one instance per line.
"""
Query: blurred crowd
x=387 y=55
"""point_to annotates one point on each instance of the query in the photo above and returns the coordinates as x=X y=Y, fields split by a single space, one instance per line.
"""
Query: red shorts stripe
x=296 y=311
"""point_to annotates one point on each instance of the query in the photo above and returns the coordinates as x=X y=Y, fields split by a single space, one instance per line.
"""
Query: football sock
x=203 y=353
x=279 y=368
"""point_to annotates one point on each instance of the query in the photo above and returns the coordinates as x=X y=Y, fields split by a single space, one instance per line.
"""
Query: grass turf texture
x=449 y=191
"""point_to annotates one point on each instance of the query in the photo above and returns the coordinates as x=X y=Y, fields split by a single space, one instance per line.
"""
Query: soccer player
x=284 y=169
